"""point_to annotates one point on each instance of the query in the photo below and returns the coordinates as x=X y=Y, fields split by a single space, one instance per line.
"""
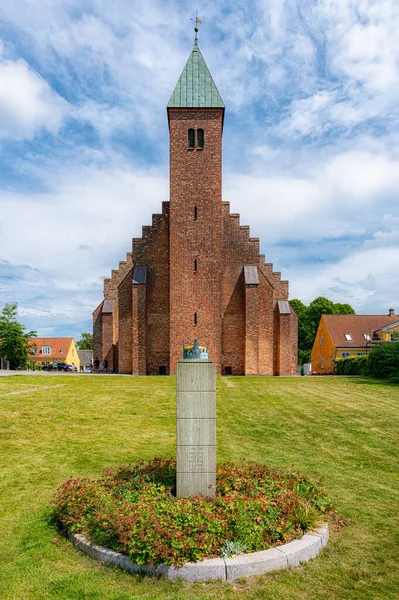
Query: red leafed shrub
x=135 y=511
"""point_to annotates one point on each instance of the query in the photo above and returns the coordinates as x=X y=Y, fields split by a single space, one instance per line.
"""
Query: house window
x=348 y=337
x=195 y=265
x=195 y=213
x=200 y=138
x=345 y=354
x=367 y=337
x=191 y=138
x=321 y=341
x=46 y=350
x=195 y=318
x=34 y=350
x=360 y=353
x=322 y=361
x=73 y=352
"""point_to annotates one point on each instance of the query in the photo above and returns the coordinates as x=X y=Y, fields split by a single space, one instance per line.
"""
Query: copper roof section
x=284 y=307
x=356 y=326
x=195 y=87
x=251 y=275
x=140 y=274
x=108 y=306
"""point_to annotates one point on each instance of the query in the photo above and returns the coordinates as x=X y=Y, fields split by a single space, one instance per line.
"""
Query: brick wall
x=266 y=306
x=156 y=257
x=195 y=252
x=195 y=185
x=97 y=333
x=252 y=302
x=125 y=324
x=107 y=350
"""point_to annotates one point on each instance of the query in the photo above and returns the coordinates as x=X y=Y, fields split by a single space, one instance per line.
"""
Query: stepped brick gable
x=196 y=273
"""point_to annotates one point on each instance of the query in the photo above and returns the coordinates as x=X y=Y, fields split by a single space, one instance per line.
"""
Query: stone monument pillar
x=195 y=425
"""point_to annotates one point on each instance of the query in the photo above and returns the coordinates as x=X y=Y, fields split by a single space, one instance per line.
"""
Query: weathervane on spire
x=196 y=21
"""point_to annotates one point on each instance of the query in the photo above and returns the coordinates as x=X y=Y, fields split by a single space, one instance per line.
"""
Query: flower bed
x=135 y=511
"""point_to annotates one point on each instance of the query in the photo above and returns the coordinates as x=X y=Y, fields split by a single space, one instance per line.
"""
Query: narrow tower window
x=195 y=264
x=191 y=138
x=195 y=213
x=200 y=138
x=195 y=318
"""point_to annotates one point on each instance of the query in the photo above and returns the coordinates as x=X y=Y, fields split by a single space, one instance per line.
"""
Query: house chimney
x=391 y=312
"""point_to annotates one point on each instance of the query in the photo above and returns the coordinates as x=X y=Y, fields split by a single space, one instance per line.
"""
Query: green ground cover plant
x=135 y=511
x=56 y=426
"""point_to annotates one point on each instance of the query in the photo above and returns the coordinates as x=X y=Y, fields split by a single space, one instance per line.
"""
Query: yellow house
x=342 y=336
x=389 y=333
x=47 y=351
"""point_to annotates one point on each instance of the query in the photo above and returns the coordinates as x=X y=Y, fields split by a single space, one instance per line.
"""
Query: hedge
x=354 y=365
x=384 y=361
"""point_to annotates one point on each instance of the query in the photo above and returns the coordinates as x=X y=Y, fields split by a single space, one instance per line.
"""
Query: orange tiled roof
x=59 y=347
x=356 y=326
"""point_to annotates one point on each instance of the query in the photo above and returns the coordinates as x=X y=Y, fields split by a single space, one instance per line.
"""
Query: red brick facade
x=185 y=277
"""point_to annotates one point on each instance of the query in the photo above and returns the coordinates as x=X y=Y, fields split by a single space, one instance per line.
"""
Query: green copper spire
x=195 y=88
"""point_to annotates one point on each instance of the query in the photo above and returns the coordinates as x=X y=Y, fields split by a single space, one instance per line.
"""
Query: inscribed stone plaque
x=196 y=428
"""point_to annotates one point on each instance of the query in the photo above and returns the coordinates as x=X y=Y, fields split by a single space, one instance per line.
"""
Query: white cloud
x=368 y=279
x=325 y=197
x=27 y=102
x=72 y=237
x=316 y=70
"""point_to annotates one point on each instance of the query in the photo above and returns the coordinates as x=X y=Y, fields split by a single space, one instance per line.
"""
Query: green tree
x=309 y=319
x=85 y=342
x=384 y=361
x=343 y=309
x=14 y=339
x=303 y=335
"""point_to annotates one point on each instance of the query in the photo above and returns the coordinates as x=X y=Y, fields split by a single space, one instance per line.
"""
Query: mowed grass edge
x=343 y=428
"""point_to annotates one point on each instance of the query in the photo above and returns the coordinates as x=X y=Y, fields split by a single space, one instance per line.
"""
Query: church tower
x=196 y=272
x=195 y=116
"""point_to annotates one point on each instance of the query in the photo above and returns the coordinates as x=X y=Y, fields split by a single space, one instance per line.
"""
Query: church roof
x=140 y=274
x=108 y=306
x=195 y=88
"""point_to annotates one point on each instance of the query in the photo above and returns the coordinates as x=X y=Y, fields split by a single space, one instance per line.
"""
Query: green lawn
x=343 y=428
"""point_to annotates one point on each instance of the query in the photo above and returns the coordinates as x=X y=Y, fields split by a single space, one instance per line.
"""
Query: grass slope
x=344 y=428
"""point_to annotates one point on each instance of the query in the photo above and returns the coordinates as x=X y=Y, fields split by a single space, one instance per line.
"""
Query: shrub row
x=135 y=511
x=354 y=365
x=382 y=362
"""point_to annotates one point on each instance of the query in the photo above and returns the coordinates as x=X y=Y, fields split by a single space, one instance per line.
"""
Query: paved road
x=7 y=373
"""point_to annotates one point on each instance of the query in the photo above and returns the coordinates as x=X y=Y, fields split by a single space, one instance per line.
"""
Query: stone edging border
x=289 y=555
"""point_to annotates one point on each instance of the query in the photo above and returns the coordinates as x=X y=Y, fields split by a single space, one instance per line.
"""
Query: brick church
x=196 y=273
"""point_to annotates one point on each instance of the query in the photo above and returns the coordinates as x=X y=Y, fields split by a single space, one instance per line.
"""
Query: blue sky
x=311 y=142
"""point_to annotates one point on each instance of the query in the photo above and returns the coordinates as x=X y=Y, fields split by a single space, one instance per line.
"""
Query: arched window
x=195 y=264
x=195 y=213
x=191 y=138
x=195 y=318
x=200 y=138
